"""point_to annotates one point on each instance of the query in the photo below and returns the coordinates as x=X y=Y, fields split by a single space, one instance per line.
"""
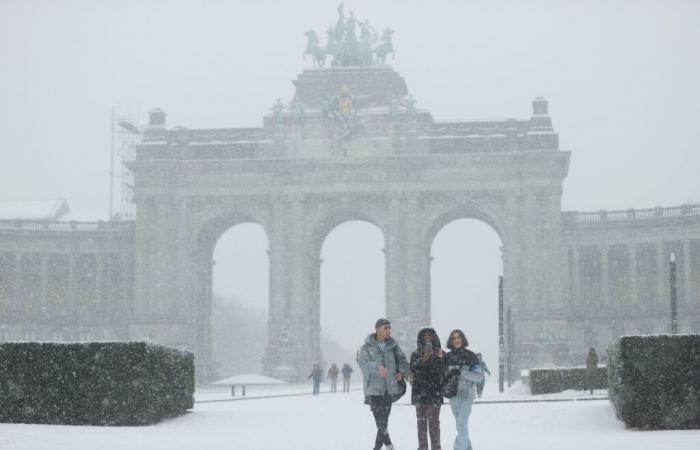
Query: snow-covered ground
x=341 y=421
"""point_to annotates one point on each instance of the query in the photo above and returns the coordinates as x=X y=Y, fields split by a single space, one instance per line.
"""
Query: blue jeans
x=461 y=409
x=317 y=385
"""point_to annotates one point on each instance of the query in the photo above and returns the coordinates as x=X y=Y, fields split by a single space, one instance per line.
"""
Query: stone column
x=632 y=248
x=72 y=288
x=605 y=276
x=661 y=274
x=426 y=282
x=124 y=264
x=511 y=254
x=416 y=274
x=415 y=256
x=145 y=245
x=394 y=261
x=17 y=285
x=407 y=268
x=512 y=266
x=687 y=274
x=279 y=351
x=315 y=307
x=556 y=255
x=100 y=300
x=300 y=267
x=297 y=255
x=181 y=254
x=44 y=285
x=576 y=275
x=528 y=236
x=277 y=307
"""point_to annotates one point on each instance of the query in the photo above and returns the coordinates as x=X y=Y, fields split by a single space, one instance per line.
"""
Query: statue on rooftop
x=367 y=39
x=385 y=46
x=278 y=111
x=314 y=49
x=344 y=45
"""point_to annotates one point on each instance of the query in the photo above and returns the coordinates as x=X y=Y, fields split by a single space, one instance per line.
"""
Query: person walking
x=316 y=376
x=485 y=370
x=427 y=372
x=591 y=369
x=347 y=373
x=383 y=366
x=464 y=364
x=333 y=376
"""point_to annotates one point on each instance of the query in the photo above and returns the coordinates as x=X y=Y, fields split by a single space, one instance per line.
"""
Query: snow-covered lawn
x=341 y=421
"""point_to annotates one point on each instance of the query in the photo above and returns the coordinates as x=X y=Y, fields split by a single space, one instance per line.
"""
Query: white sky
x=621 y=78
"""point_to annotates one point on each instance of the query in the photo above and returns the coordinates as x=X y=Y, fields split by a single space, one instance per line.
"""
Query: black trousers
x=381 y=408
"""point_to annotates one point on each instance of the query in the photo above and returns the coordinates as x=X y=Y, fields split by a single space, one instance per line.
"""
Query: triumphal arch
x=350 y=145
x=353 y=144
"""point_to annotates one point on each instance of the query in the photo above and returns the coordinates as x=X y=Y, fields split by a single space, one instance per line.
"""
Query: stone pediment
x=378 y=85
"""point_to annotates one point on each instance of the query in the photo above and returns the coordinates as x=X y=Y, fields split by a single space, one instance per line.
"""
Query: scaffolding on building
x=126 y=135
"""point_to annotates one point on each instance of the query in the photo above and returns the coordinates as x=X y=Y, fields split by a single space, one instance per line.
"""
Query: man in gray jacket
x=383 y=365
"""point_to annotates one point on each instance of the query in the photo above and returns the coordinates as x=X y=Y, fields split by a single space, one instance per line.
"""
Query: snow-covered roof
x=248 y=379
x=83 y=217
x=34 y=209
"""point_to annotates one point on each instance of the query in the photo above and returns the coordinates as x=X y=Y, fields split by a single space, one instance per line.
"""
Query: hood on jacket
x=370 y=340
x=420 y=341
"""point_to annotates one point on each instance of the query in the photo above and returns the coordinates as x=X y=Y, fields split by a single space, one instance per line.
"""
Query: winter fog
x=621 y=78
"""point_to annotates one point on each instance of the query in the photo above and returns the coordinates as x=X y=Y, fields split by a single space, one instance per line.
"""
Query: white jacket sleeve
x=474 y=374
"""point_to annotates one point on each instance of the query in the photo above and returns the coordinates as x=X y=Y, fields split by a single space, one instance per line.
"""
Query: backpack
x=401 y=384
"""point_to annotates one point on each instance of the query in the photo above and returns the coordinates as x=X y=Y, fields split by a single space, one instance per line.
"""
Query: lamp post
x=674 y=300
x=501 y=342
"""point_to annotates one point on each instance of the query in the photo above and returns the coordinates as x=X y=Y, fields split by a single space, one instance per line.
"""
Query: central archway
x=466 y=264
x=352 y=288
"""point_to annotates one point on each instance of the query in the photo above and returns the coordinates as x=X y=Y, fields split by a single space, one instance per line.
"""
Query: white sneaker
x=389 y=447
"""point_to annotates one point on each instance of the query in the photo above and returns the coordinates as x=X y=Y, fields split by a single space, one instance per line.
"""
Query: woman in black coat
x=427 y=371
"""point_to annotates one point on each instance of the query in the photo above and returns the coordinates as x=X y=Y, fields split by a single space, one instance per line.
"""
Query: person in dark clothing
x=347 y=372
x=316 y=376
x=333 y=376
x=485 y=370
x=427 y=371
x=383 y=366
x=465 y=364
x=591 y=368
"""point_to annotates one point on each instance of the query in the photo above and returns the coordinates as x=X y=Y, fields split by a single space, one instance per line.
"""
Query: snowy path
x=340 y=421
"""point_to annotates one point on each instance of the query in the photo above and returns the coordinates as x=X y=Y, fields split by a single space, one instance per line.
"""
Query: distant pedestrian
x=464 y=364
x=347 y=373
x=316 y=376
x=383 y=366
x=485 y=370
x=427 y=372
x=591 y=369
x=333 y=377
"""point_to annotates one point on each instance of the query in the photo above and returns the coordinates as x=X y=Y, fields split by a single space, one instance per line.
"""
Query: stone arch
x=491 y=211
x=441 y=214
x=326 y=219
x=323 y=218
x=214 y=220
x=206 y=225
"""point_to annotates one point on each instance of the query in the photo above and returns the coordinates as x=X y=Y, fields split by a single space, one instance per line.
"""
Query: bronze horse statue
x=385 y=46
x=313 y=48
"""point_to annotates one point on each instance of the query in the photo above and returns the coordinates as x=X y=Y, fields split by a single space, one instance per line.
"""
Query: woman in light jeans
x=462 y=360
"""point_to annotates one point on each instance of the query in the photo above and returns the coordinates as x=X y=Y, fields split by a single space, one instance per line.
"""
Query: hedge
x=655 y=381
x=548 y=381
x=105 y=383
